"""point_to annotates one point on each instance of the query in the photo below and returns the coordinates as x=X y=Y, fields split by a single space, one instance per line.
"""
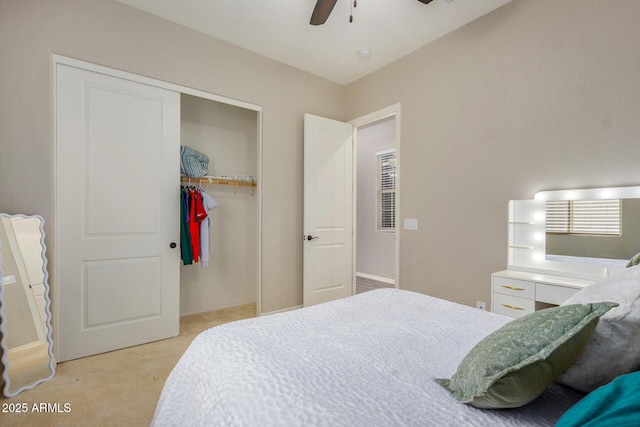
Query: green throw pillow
x=514 y=364
x=635 y=260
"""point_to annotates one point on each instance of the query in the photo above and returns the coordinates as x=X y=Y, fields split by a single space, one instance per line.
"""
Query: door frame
x=390 y=111
x=63 y=60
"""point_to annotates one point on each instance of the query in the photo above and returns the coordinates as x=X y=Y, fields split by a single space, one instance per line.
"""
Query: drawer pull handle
x=513 y=307
x=513 y=288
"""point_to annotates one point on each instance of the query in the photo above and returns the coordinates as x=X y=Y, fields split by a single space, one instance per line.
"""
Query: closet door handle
x=172 y=245
x=310 y=237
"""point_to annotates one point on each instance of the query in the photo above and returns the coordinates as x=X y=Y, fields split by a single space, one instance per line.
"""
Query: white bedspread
x=367 y=360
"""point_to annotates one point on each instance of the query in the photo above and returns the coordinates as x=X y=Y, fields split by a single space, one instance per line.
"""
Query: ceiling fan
x=323 y=9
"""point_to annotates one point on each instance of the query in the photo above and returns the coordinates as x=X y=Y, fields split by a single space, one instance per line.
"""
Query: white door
x=117 y=213
x=328 y=207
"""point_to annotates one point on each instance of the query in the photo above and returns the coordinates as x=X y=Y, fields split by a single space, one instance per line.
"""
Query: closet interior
x=229 y=136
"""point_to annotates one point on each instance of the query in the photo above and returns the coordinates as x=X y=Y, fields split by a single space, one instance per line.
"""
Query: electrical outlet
x=481 y=305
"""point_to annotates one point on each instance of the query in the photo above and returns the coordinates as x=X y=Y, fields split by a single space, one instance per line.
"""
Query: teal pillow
x=514 y=364
x=616 y=404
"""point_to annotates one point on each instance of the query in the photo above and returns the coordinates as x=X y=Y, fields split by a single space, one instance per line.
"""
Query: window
x=386 y=190
x=595 y=217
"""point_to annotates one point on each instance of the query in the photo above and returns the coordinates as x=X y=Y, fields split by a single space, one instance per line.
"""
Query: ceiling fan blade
x=321 y=11
x=425 y=1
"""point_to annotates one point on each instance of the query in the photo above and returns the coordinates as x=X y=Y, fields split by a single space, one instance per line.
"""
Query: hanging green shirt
x=186 y=251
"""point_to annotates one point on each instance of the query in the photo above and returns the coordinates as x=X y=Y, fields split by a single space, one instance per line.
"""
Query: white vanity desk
x=516 y=293
x=534 y=280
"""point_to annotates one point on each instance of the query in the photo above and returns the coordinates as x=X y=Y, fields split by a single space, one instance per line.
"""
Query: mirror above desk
x=602 y=229
x=25 y=317
x=573 y=233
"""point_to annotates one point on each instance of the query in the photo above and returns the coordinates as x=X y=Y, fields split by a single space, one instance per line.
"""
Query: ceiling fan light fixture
x=323 y=9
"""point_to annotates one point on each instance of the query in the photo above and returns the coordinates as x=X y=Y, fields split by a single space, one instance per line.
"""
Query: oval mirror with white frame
x=581 y=233
x=25 y=316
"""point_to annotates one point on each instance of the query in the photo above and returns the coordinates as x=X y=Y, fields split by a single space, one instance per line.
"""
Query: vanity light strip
x=592 y=193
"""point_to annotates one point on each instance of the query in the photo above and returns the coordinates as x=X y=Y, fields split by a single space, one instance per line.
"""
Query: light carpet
x=119 y=388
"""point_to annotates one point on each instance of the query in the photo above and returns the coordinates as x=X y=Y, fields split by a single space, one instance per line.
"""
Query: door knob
x=172 y=245
x=310 y=237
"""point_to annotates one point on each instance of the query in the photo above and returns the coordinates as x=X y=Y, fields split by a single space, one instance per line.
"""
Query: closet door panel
x=117 y=211
x=137 y=278
x=123 y=131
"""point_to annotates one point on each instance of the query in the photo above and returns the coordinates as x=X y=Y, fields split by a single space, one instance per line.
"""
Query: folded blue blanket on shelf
x=192 y=162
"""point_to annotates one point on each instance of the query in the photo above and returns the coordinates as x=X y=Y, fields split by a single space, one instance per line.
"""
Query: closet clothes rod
x=222 y=180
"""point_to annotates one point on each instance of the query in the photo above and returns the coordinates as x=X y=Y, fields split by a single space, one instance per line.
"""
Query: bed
x=367 y=360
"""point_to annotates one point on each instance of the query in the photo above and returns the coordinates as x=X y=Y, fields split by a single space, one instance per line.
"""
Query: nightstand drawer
x=553 y=294
x=515 y=287
x=512 y=306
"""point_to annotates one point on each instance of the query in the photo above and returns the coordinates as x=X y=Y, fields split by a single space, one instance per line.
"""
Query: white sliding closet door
x=117 y=213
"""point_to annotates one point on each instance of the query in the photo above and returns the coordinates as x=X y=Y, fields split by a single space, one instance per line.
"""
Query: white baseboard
x=376 y=278
x=280 y=311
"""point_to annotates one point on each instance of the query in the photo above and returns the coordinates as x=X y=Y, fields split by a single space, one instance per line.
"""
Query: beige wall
x=538 y=95
x=112 y=34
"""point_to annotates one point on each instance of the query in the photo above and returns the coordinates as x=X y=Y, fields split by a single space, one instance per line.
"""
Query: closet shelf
x=222 y=180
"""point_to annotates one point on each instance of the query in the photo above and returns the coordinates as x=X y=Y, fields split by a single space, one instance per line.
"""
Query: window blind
x=599 y=217
x=386 y=190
